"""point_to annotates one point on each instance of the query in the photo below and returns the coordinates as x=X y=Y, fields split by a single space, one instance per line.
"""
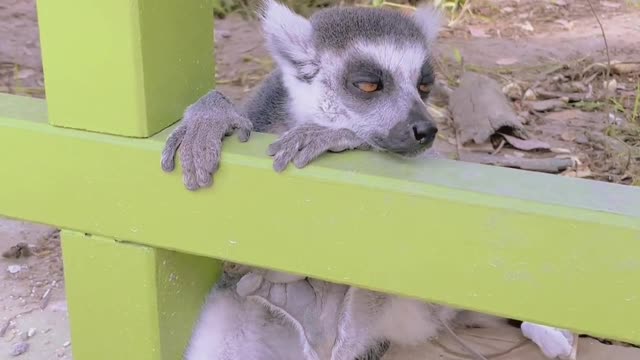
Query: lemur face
x=364 y=69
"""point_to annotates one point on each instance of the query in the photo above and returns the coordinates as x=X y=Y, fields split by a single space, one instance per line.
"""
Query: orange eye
x=424 y=88
x=367 y=86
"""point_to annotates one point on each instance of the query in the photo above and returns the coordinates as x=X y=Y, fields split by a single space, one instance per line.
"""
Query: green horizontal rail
x=537 y=247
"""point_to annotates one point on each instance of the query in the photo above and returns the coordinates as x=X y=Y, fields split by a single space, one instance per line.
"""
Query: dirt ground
x=552 y=47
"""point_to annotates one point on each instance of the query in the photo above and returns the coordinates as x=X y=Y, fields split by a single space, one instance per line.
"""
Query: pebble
x=14 y=269
x=31 y=332
x=19 y=349
x=529 y=95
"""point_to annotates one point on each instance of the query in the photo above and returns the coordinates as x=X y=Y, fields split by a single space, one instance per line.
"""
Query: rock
x=513 y=91
x=14 y=269
x=529 y=95
x=19 y=349
x=582 y=139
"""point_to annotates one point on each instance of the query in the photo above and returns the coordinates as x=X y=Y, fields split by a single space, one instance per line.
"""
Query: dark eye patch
x=361 y=75
x=426 y=80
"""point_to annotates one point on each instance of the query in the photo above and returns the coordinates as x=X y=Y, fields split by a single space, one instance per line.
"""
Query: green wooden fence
x=139 y=249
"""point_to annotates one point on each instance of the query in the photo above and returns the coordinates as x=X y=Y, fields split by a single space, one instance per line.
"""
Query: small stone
x=582 y=139
x=529 y=95
x=31 y=332
x=513 y=91
x=66 y=344
x=567 y=136
x=611 y=86
x=224 y=33
x=14 y=269
x=19 y=349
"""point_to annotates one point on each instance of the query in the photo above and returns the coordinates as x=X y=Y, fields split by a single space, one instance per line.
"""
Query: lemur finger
x=300 y=136
x=282 y=159
x=186 y=158
x=168 y=161
x=309 y=153
x=207 y=152
x=243 y=126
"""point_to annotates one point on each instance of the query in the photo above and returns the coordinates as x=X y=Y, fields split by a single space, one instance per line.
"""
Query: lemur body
x=346 y=78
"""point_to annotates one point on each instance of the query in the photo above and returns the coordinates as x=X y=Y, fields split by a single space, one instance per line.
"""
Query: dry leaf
x=560 y=150
x=626 y=68
x=609 y=4
x=526 y=145
x=477 y=31
x=506 y=61
x=564 y=115
x=568 y=25
x=567 y=136
x=545 y=105
x=24 y=74
x=526 y=26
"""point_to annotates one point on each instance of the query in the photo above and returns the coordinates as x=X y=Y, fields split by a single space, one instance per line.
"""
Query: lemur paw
x=199 y=140
x=554 y=343
x=304 y=143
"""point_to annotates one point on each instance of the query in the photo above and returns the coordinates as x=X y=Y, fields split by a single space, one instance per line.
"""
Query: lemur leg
x=357 y=327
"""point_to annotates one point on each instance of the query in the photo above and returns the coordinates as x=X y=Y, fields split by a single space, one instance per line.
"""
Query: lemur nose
x=424 y=132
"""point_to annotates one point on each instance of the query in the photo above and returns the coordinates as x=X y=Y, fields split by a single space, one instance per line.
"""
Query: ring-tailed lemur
x=346 y=78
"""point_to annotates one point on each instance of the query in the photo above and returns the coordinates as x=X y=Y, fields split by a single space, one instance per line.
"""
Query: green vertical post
x=132 y=302
x=125 y=67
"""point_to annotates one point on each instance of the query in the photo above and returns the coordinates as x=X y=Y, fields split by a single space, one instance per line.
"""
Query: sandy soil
x=530 y=36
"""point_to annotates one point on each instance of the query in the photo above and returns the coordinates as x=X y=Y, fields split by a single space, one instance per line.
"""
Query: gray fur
x=337 y=28
x=267 y=106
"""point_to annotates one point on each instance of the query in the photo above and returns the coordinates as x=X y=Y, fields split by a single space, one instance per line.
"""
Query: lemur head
x=365 y=69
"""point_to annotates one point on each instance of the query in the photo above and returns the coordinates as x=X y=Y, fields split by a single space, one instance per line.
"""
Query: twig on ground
x=5 y=326
x=547 y=165
x=636 y=106
x=604 y=37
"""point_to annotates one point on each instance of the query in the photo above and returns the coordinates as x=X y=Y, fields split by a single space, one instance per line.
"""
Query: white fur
x=429 y=19
x=554 y=343
x=230 y=329
x=288 y=37
x=404 y=61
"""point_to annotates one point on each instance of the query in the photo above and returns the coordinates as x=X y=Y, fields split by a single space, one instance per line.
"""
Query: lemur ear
x=289 y=39
x=430 y=21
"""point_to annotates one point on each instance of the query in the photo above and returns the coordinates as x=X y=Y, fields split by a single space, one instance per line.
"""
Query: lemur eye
x=424 y=88
x=367 y=87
